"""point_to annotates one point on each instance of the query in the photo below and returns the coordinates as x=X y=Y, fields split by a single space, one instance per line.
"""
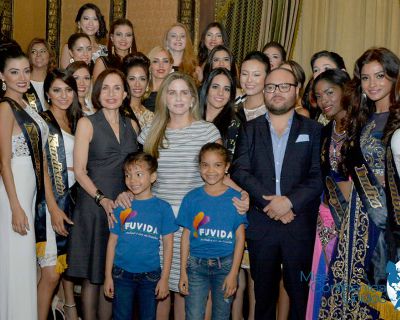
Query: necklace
x=337 y=137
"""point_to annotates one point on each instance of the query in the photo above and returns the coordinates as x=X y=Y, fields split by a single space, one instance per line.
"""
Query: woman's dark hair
x=337 y=77
x=336 y=58
x=52 y=56
x=98 y=84
x=203 y=51
x=9 y=49
x=210 y=58
x=215 y=147
x=76 y=65
x=227 y=114
x=297 y=71
x=115 y=59
x=75 y=37
x=74 y=112
x=137 y=59
x=101 y=33
x=260 y=57
x=360 y=107
x=135 y=157
x=277 y=45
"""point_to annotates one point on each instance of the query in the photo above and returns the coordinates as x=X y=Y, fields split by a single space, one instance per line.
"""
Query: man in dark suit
x=277 y=162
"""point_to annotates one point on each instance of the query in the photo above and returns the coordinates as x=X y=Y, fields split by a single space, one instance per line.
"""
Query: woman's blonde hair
x=153 y=52
x=189 y=59
x=156 y=136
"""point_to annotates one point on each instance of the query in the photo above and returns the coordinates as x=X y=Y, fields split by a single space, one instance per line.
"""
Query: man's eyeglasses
x=283 y=87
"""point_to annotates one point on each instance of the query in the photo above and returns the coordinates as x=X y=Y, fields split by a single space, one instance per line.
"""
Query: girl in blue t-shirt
x=133 y=261
x=213 y=238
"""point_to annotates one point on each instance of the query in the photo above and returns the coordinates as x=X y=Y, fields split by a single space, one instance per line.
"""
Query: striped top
x=178 y=168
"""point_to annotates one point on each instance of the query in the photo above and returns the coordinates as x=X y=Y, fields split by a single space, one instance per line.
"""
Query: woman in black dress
x=102 y=142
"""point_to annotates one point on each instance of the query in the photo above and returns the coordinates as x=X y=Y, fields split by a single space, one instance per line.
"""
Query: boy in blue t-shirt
x=212 y=240
x=133 y=261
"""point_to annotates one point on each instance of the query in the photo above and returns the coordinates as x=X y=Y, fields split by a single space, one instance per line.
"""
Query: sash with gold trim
x=393 y=203
x=356 y=283
x=336 y=201
x=32 y=98
x=58 y=172
x=33 y=138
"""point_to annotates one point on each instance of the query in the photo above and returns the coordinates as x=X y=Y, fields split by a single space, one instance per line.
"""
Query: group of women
x=64 y=133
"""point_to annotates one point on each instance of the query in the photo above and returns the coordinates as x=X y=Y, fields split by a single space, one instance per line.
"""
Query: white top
x=255 y=113
x=38 y=85
x=178 y=166
x=69 y=155
x=395 y=145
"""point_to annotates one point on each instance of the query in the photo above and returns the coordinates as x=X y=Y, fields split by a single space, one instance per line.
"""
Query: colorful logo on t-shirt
x=199 y=220
x=127 y=214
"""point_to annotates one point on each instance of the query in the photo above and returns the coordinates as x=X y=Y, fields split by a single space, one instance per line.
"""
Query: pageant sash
x=33 y=138
x=32 y=98
x=58 y=172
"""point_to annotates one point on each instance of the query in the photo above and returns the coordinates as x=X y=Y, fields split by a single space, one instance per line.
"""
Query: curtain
x=279 y=22
x=241 y=19
x=346 y=27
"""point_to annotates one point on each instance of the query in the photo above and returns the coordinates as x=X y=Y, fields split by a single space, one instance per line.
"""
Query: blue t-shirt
x=139 y=229
x=212 y=222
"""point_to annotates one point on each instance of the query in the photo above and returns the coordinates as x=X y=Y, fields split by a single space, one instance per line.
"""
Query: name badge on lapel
x=303 y=138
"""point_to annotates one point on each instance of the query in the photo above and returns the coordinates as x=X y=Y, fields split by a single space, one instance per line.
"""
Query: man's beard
x=285 y=108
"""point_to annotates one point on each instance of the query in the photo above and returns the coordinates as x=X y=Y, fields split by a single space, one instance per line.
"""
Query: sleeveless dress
x=18 y=298
x=86 y=254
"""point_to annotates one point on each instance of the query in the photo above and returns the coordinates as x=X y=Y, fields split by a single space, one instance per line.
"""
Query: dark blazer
x=254 y=171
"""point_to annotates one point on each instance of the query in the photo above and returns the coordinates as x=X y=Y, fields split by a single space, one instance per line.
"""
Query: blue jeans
x=205 y=275
x=127 y=285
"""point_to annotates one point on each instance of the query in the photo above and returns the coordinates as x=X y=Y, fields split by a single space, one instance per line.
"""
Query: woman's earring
x=71 y=60
x=364 y=95
x=79 y=28
x=3 y=86
x=48 y=100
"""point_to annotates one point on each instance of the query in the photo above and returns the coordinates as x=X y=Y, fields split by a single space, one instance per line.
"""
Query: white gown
x=18 y=298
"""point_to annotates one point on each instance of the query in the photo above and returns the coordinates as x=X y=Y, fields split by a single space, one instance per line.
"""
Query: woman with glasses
x=42 y=60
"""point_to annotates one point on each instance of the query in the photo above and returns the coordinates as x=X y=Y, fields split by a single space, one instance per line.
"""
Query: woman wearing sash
x=121 y=42
x=328 y=89
x=42 y=60
x=22 y=188
x=61 y=118
x=355 y=287
x=102 y=141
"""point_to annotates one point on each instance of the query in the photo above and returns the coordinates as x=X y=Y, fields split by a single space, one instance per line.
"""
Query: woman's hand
x=242 y=205
x=58 y=217
x=124 y=200
x=19 y=221
x=108 y=206
x=184 y=284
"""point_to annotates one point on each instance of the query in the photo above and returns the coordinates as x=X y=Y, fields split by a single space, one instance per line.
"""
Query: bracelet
x=98 y=197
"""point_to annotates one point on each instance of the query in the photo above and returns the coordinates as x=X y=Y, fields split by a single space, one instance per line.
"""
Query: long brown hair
x=360 y=107
x=156 y=135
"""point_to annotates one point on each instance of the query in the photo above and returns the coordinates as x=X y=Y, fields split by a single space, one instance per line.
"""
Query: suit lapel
x=266 y=134
x=290 y=155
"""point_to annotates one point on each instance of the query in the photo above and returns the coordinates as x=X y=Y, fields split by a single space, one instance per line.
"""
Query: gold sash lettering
x=370 y=191
x=55 y=164
x=394 y=192
x=32 y=100
x=333 y=197
x=34 y=138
